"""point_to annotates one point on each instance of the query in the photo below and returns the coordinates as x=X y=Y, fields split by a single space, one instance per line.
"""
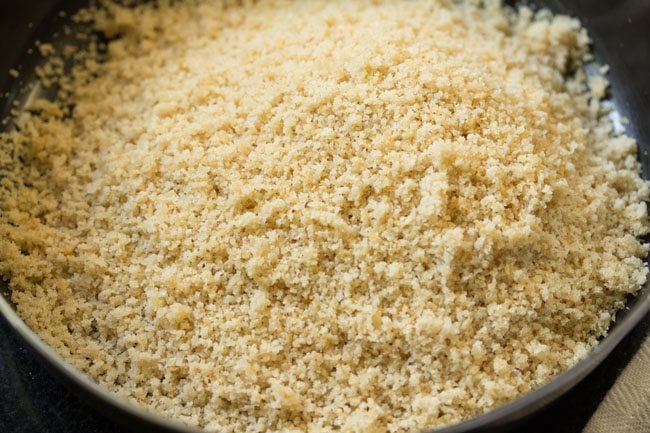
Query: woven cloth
x=626 y=407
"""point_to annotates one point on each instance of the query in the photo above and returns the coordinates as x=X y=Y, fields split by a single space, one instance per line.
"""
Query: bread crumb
x=355 y=216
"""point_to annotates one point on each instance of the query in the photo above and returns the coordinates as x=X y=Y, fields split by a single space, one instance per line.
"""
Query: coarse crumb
x=355 y=216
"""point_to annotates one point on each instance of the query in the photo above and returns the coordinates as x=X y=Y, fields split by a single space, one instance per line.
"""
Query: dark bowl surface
x=620 y=30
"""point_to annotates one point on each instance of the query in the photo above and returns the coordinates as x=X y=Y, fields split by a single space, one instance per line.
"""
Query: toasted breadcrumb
x=355 y=216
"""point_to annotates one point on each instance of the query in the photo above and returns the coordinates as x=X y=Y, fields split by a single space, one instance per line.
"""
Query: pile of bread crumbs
x=355 y=216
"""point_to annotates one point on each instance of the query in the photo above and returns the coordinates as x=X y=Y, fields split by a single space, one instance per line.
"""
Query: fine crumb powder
x=315 y=216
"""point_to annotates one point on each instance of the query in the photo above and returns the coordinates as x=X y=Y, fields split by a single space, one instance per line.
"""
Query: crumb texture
x=314 y=216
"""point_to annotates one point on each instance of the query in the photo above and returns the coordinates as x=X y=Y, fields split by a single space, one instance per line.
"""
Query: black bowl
x=620 y=30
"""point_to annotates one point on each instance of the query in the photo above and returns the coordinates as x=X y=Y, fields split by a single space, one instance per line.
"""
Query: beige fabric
x=626 y=407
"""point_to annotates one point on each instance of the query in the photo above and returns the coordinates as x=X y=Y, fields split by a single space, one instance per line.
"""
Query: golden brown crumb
x=355 y=216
